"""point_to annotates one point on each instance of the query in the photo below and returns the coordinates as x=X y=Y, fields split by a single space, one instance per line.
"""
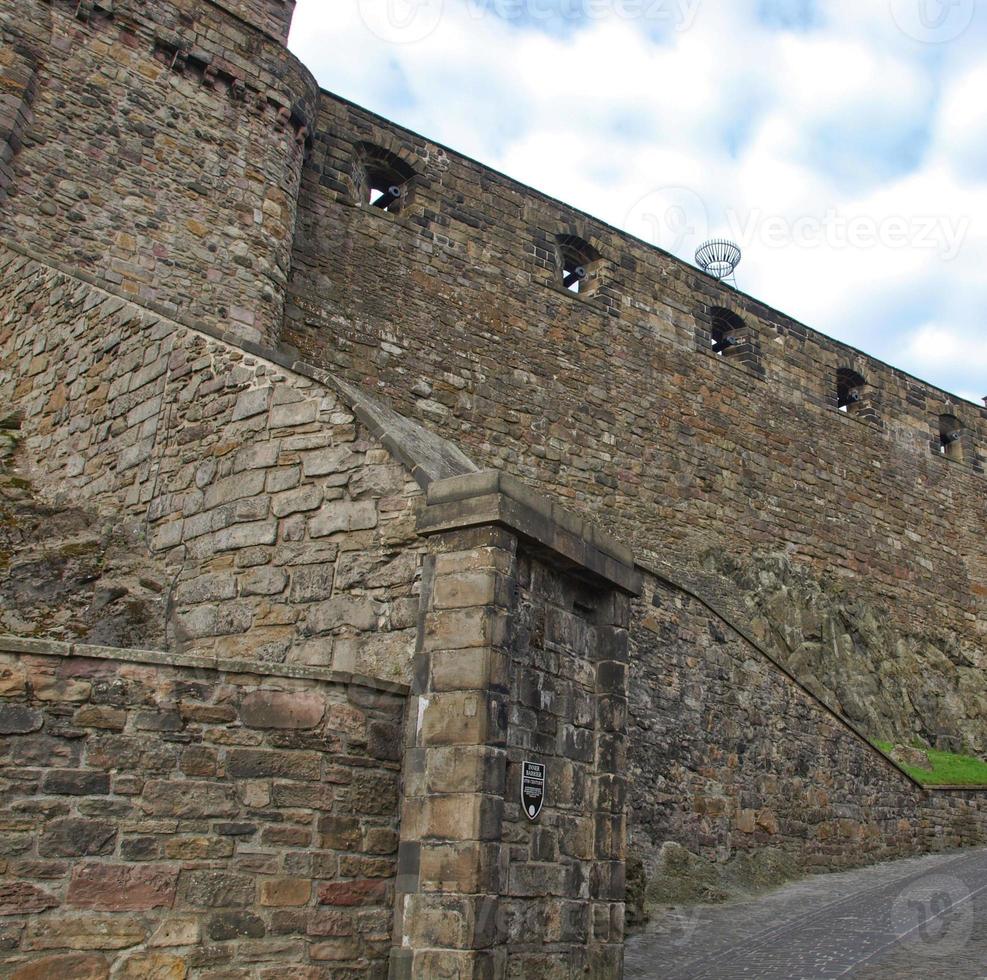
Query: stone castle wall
x=196 y=125
x=166 y=820
x=215 y=791
x=730 y=756
x=285 y=530
x=616 y=403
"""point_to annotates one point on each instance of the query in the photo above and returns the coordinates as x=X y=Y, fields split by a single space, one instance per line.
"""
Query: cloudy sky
x=843 y=143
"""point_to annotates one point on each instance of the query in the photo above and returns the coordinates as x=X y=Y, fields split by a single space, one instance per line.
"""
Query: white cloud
x=668 y=137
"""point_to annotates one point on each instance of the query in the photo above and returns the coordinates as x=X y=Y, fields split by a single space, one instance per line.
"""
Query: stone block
x=251 y=402
x=18 y=719
x=77 y=837
x=469 y=588
x=358 y=613
x=83 y=932
x=75 y=782
x=311 y=583
x=182 y=930
x=285 y=891
x=152 y=966
x=100 y=716
x=189 y=799
x=303 y=499
x=297 y=413
x=217 y=889
x=22 y=898
x=64 y=966
x=343 y=515
x=282 y=709
x=233 y=925
x=245 y=535
x=263 y=581
x=337 y=459
x=354 y=893
x=120 y=888
x=262 y=763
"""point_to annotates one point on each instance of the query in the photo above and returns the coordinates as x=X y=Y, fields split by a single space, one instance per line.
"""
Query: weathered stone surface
x=83 y=932
x=342 y=516
x=282 y=709
x=65 y=966
x=235 y=925
x=16 y=719
x=178 y=798
x=118 y=888
x=75 y=782
x=77 y=837
x=21 y=898
x=152 y=966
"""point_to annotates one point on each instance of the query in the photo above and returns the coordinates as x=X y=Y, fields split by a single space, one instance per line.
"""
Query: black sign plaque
x=532 y=788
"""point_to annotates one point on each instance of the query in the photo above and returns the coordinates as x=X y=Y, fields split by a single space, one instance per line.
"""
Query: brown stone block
x=21 y=898
x=189 y=799
x=182 y=930
x=473 y=670
x=340 y=833
x=285 y=891
x=198 y=848
x=256 y=763
x=282 y=709
x=463 y=817
x=152 y=966
x=464 y=867
x=77 y=837
x=347 y=893
x=83 y=932
x=66 y=966
x=101 y=716
x=119 y=888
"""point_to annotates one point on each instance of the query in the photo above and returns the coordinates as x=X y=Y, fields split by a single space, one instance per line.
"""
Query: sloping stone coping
x=492 y=497
x=56 y=648
x=427 y=456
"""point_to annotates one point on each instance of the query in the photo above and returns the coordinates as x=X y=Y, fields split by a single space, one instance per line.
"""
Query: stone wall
x=162 y=820
x=616 y=403
x=271 y=16
x=196 y=123
x=282 y=529
x=521 y=659
x=731 y=757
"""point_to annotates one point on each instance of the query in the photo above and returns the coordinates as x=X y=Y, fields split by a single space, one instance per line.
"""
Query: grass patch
x=948 y=769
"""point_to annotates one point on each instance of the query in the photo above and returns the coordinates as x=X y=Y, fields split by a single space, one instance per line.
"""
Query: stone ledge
x=493 y=497
x=164 y=658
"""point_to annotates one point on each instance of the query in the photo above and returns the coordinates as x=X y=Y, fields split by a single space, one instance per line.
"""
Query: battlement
x=529 y=238
x=668 y=405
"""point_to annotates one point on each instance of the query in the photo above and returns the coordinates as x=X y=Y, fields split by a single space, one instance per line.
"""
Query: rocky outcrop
x=67 y=573
x=895 y=685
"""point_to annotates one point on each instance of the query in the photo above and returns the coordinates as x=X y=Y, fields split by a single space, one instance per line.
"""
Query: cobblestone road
x=918 y=919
